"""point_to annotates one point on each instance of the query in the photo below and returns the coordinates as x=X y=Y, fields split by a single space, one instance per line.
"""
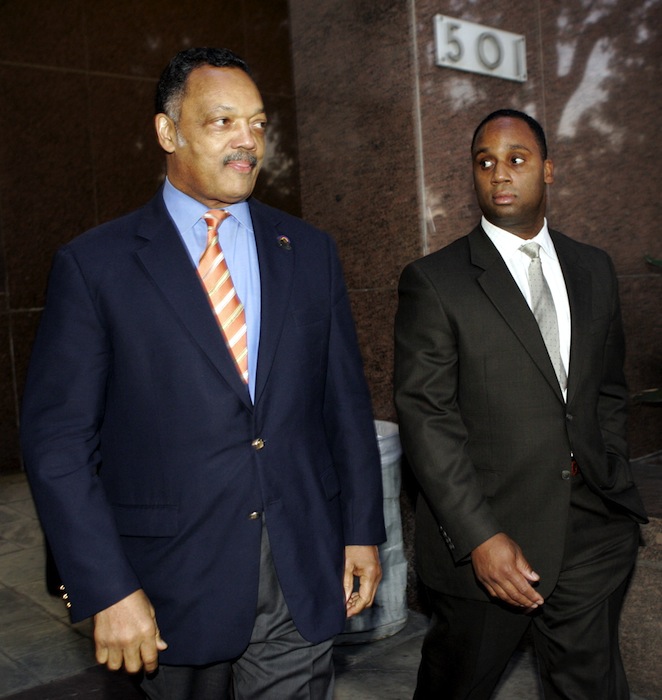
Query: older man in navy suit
x=219 y=526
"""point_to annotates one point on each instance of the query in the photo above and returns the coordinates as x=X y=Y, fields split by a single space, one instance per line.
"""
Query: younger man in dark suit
x=511 y=397
x=209 y=494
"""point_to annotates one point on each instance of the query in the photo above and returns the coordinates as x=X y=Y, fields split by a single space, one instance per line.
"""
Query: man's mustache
x=250 y=158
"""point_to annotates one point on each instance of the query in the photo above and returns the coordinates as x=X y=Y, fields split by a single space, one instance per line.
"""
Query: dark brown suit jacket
x=483 y=422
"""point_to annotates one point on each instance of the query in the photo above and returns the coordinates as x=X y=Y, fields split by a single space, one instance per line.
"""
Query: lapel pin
x=284 y=242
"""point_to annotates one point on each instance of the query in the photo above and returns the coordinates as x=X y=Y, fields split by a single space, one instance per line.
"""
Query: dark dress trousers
x=151 y=467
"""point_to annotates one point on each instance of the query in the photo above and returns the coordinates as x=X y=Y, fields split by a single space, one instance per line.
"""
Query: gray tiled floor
x=38 y=645
x=37 y=642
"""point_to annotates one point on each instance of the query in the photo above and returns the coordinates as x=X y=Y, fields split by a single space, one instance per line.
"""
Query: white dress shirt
x=508 y=245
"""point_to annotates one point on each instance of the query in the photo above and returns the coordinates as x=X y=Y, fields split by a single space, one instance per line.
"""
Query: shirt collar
x=186 y=211
x=508 y=243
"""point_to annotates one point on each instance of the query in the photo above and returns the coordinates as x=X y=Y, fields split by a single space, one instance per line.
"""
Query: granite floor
x=44 y=657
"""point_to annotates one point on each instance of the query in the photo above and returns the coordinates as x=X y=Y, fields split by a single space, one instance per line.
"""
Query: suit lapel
x=502 y=290
x=578 y=285
x=165 y=260
x=276 y=250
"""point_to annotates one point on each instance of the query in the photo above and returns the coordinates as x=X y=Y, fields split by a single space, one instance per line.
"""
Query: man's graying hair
x=172 y=83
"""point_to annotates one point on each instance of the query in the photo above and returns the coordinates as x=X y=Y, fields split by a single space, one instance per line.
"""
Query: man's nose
x=500 y=173
x=244 y=137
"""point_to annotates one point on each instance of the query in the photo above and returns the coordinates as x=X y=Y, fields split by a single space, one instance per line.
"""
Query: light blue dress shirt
x=238 y=243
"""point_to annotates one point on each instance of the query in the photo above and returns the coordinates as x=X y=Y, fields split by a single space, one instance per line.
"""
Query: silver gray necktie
x=544 y=310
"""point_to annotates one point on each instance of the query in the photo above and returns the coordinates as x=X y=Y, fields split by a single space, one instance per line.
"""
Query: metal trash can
x=388 y=613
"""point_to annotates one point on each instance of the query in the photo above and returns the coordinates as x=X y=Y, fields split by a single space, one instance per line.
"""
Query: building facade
x=369 y=140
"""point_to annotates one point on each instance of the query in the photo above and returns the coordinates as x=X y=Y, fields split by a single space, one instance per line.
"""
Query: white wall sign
x=478 y=49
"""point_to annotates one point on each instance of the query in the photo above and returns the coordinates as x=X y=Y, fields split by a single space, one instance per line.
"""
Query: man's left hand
x=361 y=561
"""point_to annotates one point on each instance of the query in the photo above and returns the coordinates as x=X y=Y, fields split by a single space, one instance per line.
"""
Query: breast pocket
x=308 y=341
x=600 y=325
x=309 y=315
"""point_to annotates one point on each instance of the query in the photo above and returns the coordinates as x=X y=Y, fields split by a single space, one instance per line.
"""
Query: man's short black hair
x=535 y=127
x=172 y=84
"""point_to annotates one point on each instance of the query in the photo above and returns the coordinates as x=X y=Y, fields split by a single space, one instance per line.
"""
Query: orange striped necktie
x=226 y=305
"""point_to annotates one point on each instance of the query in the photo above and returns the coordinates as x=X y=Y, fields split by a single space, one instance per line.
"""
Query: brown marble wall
x=383 y=142
x=354 y=78
x=384 y=148
x=76 y=94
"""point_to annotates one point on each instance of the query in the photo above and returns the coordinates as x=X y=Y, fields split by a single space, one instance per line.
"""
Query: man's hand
x=501 y=567
x=361 y=561
x=127 y=633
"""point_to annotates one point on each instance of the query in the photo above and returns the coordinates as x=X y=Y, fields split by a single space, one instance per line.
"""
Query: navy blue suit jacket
x=146 y=455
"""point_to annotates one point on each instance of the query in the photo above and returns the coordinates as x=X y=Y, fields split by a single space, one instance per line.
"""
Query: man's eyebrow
x=229 y=108
x=519 y=147
x=511 y=147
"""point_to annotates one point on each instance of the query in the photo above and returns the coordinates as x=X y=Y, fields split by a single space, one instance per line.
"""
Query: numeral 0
x=489 y=43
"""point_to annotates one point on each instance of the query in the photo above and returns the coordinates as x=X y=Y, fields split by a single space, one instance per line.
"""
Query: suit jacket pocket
x=599 y=324
x=308 y=315
x=331 y=483
x=488 y=480
x=146 y=521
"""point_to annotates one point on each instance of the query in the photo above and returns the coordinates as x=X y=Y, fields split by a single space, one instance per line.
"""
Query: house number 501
x=478 y=49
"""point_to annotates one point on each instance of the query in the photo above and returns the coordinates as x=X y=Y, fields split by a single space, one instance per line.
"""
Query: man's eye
x=518 y=160
x=260 y=125
x=486 y=163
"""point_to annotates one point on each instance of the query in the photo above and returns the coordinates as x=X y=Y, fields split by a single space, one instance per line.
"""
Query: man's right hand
x=126 y=634
x=501 y=567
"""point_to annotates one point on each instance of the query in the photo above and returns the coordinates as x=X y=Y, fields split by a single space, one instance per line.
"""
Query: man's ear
x=548 y=172
x=166 y=132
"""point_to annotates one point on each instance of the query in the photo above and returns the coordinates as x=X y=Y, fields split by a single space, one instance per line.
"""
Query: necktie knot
x=531 y=249
x=213 y=219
